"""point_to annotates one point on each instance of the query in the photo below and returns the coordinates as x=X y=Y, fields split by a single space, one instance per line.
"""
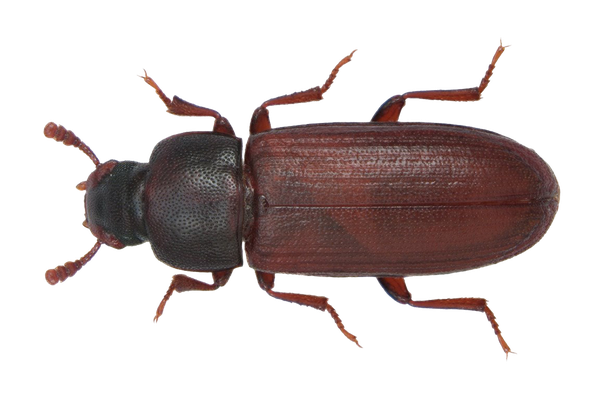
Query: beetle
x=382 y=199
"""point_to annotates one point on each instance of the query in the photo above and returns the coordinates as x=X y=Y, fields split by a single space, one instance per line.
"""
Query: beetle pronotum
x=383 y=199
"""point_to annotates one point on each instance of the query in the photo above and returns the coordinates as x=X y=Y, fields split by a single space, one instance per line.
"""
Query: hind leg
x=390 y=110
x=396 y=288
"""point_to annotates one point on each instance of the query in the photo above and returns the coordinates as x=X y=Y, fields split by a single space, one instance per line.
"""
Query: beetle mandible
x=382 y=199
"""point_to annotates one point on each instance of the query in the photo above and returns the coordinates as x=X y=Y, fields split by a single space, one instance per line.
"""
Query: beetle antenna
x=62 y=272
x=60 y=134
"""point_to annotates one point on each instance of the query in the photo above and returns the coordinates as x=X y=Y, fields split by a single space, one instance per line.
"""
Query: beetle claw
x=507 y=354
x=380 y=199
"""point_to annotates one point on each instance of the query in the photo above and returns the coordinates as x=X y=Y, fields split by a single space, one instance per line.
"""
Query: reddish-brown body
x=381 y=199
x=392 y=199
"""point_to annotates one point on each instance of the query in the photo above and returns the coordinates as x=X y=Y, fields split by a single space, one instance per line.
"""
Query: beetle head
x=112 y=203
x=203 y=216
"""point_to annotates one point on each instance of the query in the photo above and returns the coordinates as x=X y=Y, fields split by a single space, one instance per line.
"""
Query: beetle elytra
x=382 y=199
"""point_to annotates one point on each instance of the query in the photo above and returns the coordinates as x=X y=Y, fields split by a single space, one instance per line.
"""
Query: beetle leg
x=396 y=288
x=267 y=281
x=183 y=283
x=178 y=106
x=390 y=110
x=260 y=119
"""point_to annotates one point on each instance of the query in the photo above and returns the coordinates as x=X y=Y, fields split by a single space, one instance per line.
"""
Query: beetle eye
x=85 y=223
x=82 y=185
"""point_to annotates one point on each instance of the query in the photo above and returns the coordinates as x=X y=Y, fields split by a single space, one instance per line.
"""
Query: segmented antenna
x=60 y=134
x=60 y=273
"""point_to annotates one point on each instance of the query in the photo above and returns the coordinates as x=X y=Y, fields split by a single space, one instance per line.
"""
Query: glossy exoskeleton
x=380 y=199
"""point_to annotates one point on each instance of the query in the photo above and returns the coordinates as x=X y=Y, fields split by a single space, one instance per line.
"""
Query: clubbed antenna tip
x=61 y=273
x=68 y=138
x=60 y=134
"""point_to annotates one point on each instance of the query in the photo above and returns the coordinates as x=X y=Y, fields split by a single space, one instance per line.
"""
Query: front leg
x=183 y=283
x=178 y=106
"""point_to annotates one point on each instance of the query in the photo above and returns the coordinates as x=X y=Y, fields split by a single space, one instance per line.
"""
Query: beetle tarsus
x=507 y=354
x=267 y=282
x=488 y=74
x=260 y=120
x=335 y=71
x=390 y=110
x=340 y=325
x=385 y=200
x=158 y=90
x=180 y=107
x=396 y=288
x=490 y=316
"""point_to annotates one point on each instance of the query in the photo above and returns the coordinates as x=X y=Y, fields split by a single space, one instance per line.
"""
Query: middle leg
x=260 y=119
x=267 y=282
x=183 y=283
